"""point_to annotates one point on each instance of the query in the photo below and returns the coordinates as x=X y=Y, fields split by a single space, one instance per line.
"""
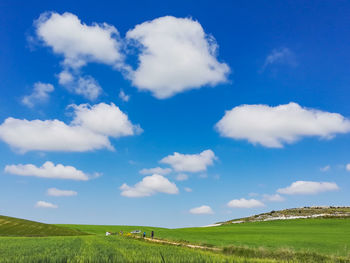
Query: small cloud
x=86 y=86
x=156 y=170
x=40 y=94
x=280 y=56
x=325 y=168
x=308 y=188
x=202 y=210
x=43 y=204
x=273 y=198
x=245 y=203
x=253 y=194
x=150 y=185
x=347 y=167
x=181 y=177
x=58 y=192
x=47 y=170
x=203 y=176
x=190 y=162
x=188 y=190
x=123 y=96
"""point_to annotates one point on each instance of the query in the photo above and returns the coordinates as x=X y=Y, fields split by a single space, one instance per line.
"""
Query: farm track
x=179 y=244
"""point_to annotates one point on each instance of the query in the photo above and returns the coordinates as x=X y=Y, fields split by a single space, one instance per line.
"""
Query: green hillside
x=10 y=226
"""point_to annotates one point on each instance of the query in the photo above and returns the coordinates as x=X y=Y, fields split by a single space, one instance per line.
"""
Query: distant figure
x=152 y=234
x=144 y=234
x=121 y=232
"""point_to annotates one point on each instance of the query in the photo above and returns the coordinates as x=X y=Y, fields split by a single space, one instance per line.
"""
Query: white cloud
x=188 y=190
x=308 y=188
x=273 y=198
x=77 y=42
x=245 y=203
x=325 y=168
x=89 y=130
x=105 y=119
x=123 y=96
x=202 y=210
x=149 y=185
x=275 y=126
x=40 y=94
x=176 y=55
x=65 y=77
x=88 y=87
x=43 y=204
x=58 y=192
x=280 y=56
x=348 y=167
x=190 y=162
x=156 y=170
x=85 y=86
x=47 y=170
x=182 y=177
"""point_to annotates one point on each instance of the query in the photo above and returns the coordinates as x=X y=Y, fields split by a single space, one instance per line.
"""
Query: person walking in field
x=152 y=234
x=144 y=234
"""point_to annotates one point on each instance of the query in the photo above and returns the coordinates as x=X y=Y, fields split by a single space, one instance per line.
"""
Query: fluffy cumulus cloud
x=202 y=210
x=156 y=170
x=308 y=188
x=89 y=130
x=47 y=170
x=58 y=192
x=275 y=126
x=43 y=204
x=190 y=162
x=41 y=93
x=273 y=198
x=245 y=203
x=149 y=185
x=77 y=42
x=175 y=55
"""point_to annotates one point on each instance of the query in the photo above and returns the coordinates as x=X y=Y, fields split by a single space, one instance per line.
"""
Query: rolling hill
x=10 y=226
x=296 y=213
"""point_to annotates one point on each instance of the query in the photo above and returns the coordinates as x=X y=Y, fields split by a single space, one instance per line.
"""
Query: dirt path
x=180 y=244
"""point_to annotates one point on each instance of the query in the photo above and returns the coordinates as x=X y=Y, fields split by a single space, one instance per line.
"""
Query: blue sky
x=246 y=101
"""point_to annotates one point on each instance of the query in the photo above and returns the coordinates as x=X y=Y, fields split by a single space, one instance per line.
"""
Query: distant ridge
x=11 y=226
x=296 y=213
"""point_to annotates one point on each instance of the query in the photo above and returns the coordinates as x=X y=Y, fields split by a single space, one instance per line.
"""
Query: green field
x=324 y=236
x=10 y=226
x=104 y=249
x=300 y=240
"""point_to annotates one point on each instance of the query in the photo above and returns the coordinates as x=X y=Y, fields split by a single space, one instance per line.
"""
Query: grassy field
x=10 y=226
x=105 y=249
x=300 y=240
x=324 y=236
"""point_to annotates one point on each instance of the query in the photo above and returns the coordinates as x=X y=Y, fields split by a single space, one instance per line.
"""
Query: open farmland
x=301 y=240
x=325 y=236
